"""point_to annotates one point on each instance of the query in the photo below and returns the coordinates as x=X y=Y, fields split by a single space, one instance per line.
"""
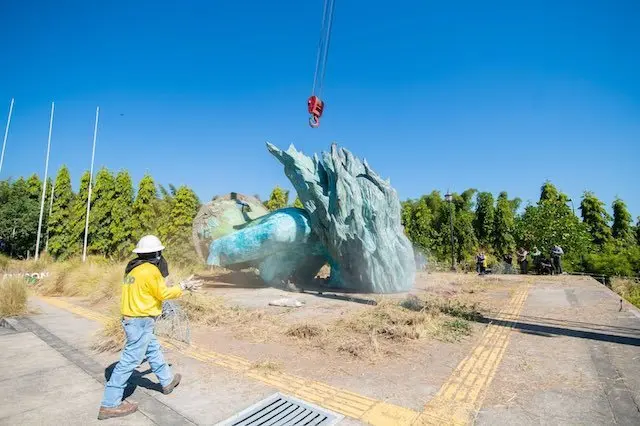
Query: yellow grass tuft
x=111 y=337
x=378 y=330
x=213 y=311
x=13 y=297
x=628 y=289
x=305 y=331
x=267 y=366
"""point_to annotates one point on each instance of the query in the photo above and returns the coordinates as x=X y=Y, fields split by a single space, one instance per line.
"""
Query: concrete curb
x=152 y=408
x=14 y=324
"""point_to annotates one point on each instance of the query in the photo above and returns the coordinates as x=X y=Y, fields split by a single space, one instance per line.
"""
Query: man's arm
x=162 y=292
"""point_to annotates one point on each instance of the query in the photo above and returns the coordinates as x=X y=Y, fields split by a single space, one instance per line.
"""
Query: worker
x=143 y=290
x=536 y=255
x=522 y=260
x=481 y=263
x=556 y=253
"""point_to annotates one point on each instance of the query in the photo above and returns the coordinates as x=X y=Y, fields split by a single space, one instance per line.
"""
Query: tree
x=278 y=199
x=552 y=222
x=515 y=205
x=60 y=225
x=121 y=224
x=417 y=220
x=34 y=187
x=504 y=226
x=638 y=230
x=483 y=222
x=297 y=203
x=143 y=219
x=79 y=214
x=19 y=213
x=622 y=225
x=595 y=218
x=464 y=235
x=548 y=192
x=177 y=233
x=162 y=207
x=101 y=217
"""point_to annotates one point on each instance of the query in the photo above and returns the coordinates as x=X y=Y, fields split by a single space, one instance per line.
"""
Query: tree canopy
x=595 y=242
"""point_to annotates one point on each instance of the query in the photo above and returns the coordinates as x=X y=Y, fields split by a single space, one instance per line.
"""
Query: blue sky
x=495 y=95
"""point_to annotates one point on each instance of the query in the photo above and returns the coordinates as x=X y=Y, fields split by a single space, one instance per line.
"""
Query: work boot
x=175 y=382
x=124 y=409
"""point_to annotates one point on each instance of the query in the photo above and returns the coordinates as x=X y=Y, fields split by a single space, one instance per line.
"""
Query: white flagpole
x=93 y=154
x=6 y=133
x=44 y=184
x=53 y=187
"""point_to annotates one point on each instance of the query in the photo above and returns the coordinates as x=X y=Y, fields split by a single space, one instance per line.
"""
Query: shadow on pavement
x=346 y=298
x=136 y=379
x=553 y=330
x=578 y=324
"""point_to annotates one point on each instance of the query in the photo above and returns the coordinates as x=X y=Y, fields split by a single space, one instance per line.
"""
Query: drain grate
x=283 y=410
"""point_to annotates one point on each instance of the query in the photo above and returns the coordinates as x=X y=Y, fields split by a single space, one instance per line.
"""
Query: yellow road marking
x=463 y=393
x=369 y=410
x=454 y=404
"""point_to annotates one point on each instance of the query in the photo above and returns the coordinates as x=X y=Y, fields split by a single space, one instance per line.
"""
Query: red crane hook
x=315 y=106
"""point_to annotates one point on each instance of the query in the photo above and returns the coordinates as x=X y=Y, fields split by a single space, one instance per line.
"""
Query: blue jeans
x=141 y=343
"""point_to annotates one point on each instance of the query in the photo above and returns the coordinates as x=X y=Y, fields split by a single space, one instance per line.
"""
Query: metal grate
x=283 y=410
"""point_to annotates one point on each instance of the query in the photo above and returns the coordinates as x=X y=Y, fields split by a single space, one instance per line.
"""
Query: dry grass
x=212 y=311
x=380 y=330
x=629 y=289
x=10 y=265
x=5 y=261
x=305 y=331
x=267 y=366
x=96 y=278
x=13 y=297
x=111 y=337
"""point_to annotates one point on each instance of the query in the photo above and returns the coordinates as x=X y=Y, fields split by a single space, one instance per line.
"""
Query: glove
x=190 y=284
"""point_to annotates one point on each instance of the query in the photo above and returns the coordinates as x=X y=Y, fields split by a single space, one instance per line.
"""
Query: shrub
x=13 y=297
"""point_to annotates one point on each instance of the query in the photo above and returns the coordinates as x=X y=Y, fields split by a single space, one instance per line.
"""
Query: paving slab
x=40 y=386
x=206 y=395
x=568 y=355
x=573 y=359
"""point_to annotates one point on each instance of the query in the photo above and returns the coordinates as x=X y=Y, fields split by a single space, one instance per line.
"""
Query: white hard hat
x=148 y=244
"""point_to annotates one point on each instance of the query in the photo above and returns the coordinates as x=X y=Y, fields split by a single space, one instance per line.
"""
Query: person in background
x=481 y=263
x=536 y=255
x=556 y=253
x=143 y=290
x=522 y=260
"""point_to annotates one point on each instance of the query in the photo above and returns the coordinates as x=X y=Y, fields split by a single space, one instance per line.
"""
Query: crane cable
x=323 y=48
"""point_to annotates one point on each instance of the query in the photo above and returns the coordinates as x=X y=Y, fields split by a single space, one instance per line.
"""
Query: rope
x=326 y=50
x=323 y=46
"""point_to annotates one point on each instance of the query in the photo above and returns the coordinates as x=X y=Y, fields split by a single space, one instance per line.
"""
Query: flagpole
x=6 y=133
x=93 y=154
x=44 y=184
x=53 y=187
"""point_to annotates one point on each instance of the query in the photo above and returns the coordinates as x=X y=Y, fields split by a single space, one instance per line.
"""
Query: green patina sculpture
x=350 y=220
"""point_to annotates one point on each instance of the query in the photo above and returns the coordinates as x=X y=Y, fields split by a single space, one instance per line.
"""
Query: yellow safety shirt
x=143 y=290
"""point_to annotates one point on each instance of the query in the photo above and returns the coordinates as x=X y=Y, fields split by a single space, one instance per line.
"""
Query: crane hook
x=314 y=121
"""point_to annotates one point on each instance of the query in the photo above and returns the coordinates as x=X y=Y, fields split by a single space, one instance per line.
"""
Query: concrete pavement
x=573 y=359
x=562 y=351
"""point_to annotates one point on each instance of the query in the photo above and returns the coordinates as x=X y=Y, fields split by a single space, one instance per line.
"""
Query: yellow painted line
x=454 y=404
x=359 y=407
x=462 y=394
